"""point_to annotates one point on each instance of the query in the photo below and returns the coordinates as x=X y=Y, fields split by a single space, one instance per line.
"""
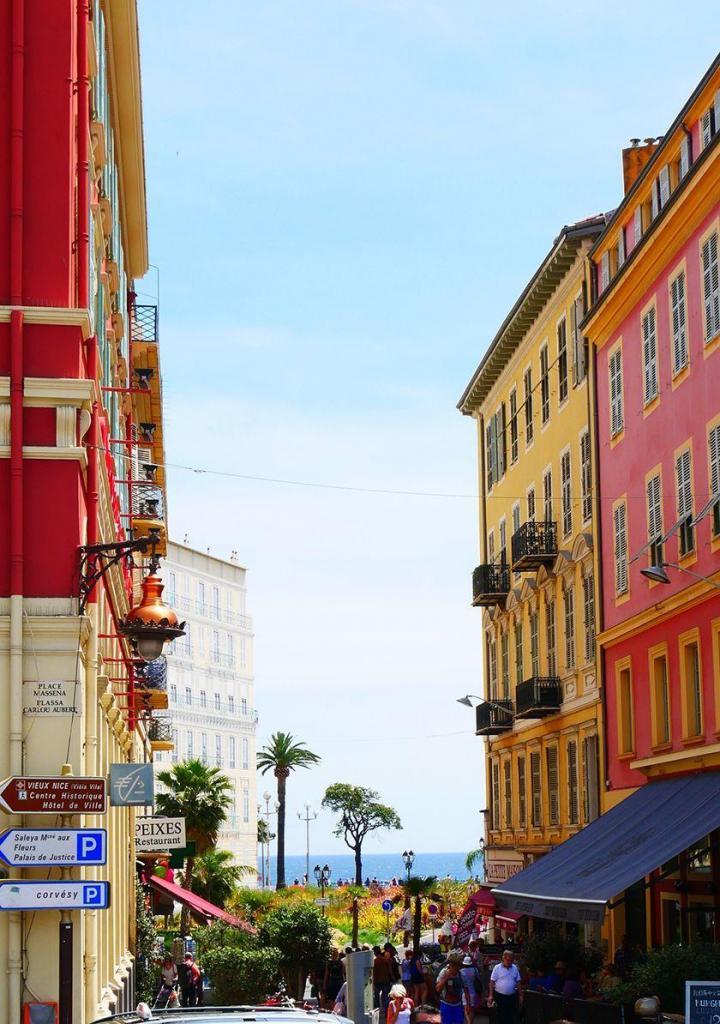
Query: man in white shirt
x=505 y=988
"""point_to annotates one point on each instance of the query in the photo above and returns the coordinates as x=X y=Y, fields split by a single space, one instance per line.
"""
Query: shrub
x=302 y=936
x=545 y=951
x=664 y=972
x=146 y=950
x=221 y=936
x=241 y=976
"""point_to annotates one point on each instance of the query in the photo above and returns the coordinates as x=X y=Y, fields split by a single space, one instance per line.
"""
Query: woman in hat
x=472 y=988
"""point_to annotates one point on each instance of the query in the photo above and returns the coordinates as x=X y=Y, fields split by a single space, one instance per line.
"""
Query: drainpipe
x=83 y=172
x=14 y=949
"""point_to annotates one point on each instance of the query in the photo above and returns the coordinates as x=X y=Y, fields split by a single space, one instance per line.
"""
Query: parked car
x=228 y=1015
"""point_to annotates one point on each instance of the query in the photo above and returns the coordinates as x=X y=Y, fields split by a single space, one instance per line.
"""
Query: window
x=690 y=655
x=565 y=483
x=507 y=792
x=528 y=407
x=650 y=389
x=503 y=542
x=243 y=652
x=516 y=518
x=203 y=748
x=661 y=700
x=231 y=704
x=620 y=251
x=173 y=693
x=174 y=757
x=495 y=442
x=586 y=476
x=714 y=450
x=678 y=314
x=709 y=124
x=519 y=655
x=495 y=794
x=685 y=503
x=547 y=496
x=534 y=645
x=492 y=664
x=218 y=751
x=685 y=155
x=621 y=563
x=505 y=661
x=246 y=806
x=531 y=504
x=231 y=751
x=521 y=801
x=589 y=617
x=711 y=286
x=203 y=699
x=591 y=788
x=217 y=701
x=216 y=602
x=637 y=224
x=551 y=758
x=654 y=515
x=544 y=385
x=189 y=746
x=491 y=547
x=535 y=787
x=244 y=706
x=188 y=695
x=604 y=271
x=550 y=636
x=172 y=588
x=569 y=607
x=580 y=353
x=626 y=727
x=562 y=360
x=513 y=426
x=201 y=598
x=215 y=646
x=572 y=770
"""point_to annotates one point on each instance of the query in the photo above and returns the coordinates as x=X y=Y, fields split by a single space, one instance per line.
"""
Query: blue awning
x=575 y=881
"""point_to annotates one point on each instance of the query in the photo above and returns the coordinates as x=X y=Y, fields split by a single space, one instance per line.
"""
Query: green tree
x=476 y=858
x=146 y=941
x=360 y=813
x=216 y=877
x=242 y=976
x=416 y=888
x=302 y=935
x=283 y=755
x=264 y=835
x=202 y=796
x=356 y=893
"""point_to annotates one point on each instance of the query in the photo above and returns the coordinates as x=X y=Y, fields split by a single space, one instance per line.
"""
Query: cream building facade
x=211 y=689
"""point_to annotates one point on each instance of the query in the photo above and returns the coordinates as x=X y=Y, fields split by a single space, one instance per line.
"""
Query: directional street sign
x=55 y=794
x=387 y=905
x=40 y=847
x=24 y=895
x=322 y=901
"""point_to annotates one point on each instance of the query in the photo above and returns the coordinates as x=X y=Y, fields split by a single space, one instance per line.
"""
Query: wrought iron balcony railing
x=159 y=730
x=492 y=719
x=538 y=696
x=152 y=675
x=491 y=584
x=143 y=323
x=533 y=545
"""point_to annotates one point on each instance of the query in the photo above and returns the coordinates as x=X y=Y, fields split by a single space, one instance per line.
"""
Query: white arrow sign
x=22 y=895
x=45 y=847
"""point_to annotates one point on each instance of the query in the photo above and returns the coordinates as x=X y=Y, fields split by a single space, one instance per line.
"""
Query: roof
x=576 y=880
x=229 y=1015
x=198 y=906
x=530 y=304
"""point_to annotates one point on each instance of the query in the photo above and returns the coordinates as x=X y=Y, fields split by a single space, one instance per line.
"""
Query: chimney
x=634 y=159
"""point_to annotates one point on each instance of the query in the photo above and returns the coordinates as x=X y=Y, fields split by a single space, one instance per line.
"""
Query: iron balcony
x=491 y=584
x=492 y=719
x=538 y=696
x=159 y=730
x=533 y=545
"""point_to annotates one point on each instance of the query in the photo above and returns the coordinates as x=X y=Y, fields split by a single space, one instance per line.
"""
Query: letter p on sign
x=91 y=847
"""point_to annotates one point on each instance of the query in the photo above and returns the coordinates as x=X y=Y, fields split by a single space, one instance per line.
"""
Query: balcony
x=144 y=323
x=152 y=675
x=538 y=697
x=533 y=545
x=491 y=584
x=491 y=719
x=160 y=734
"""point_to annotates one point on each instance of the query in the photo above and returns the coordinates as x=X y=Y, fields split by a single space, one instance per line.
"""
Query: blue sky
x=345 y=198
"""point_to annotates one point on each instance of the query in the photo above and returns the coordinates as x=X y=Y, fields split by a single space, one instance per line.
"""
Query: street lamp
x=468 y=699
x=408 y=860
x=309 y=816
x=322 y=877
x=657 y=573
x=267 y=814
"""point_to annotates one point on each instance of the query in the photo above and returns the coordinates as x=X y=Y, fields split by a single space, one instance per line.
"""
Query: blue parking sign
x=96 y=894
x=91 y=846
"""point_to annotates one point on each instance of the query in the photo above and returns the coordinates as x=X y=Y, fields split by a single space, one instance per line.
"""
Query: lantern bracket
x=96 y=559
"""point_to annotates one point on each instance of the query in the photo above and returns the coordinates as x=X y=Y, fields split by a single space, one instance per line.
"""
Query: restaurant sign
x=702 y=1002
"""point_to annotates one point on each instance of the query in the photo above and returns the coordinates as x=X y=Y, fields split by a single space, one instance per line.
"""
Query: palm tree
x=356 y=893
x=476 y=857
x=216 y=877
x=283 y=755
x=202 y=796
x=415 y=888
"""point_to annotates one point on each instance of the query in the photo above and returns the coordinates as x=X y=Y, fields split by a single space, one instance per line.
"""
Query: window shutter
x=495 y=786
x=650 y=355
x=706 y=127
x=716 y=112
x=489 y=449
x=684 y=485
x=685 y=156
x=604 y=270
x=569 y=629
x=535 y=784
x=654 y=508
x=664 y=185
x=621 y=580
x=502 y=451
x=572 y=762
x=679 y=326
x=616 y=409
x=637 y=224
x=516 y=518
x=711 y=286
x=507 y=791
x=586 y=476
x=553 y=784
x=655 y=199
x=714 y=444
x=547 y=496
x=521 y=791
x=566 y=494
x=621 y=247
x=550 y=637
x=589 y=616
x=531 y=504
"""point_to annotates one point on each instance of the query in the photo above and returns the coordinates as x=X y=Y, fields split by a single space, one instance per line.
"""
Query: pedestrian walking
x=190 y=979
x=333 y=978
x=472 y=988
x=400 y=1007
x=450 y=988
x=391 y=956
x=505 y=989
x=382 y=980
x=417 y=978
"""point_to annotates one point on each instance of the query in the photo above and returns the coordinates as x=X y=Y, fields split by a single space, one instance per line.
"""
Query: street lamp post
x=309 y=816
x=322 y=877
x=408 y=860
x=267 y=815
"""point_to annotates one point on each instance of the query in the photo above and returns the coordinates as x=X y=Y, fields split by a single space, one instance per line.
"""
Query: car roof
x=228 y=1014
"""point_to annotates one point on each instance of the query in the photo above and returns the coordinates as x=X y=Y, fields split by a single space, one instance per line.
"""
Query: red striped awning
x=200 y=907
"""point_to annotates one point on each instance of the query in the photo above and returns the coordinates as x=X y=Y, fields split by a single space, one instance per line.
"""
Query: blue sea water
x=382 y=866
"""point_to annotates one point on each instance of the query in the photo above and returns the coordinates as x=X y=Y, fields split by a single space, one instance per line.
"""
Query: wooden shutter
x=621 y=247
x=535 y=786
x=586 y=476
x=650 y=355
x=589 y=617
x=654 y=508
x=637 y=224
x=714 y=446
x=711 y=286
x=684 y=485
x=604 y=270
x=679 y=322
x=531 y=504
x=706 y=127
x=685 y=155
x=534 y=646
x=507 y=792
x=616 y=392
x=572 y=766
x=503 y=542
x=569 y=598
x=621 y=576
x=489 y=455
x=495 y=794
x=664 y=185
x=522 y=812
x=550 y=637
x=553 y=785
x=591 y=799
x=655 y=199
x=516 y=518
x=547 y=497
x=501 y=444
x=566 y=493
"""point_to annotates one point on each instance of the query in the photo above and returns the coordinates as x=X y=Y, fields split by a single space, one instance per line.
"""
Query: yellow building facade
x=541 y=709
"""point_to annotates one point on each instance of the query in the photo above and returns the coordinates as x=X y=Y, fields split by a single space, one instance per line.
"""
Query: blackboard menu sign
x=702 y=1002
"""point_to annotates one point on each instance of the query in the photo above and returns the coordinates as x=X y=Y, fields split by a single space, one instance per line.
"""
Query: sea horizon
x=380 y=866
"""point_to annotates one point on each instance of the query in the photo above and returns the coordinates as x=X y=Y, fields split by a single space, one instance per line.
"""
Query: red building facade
x=654 y=328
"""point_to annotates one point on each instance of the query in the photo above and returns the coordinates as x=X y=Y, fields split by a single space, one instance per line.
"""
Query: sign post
x=387 y=906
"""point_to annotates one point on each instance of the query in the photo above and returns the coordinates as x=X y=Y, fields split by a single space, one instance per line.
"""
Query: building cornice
x=59 y=316
x=655 y=614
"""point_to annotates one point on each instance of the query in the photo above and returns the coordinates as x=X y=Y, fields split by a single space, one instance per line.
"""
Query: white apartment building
x=210 y=683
